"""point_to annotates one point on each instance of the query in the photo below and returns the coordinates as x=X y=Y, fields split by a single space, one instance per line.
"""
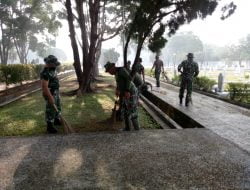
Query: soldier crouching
x=129 y=94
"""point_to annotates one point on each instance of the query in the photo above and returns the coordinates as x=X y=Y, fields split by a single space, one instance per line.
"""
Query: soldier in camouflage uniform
x=138 y=68
x=127 y=66
x=188 y=69
x=137 y=80
x=50 y=89
x=126 y=89
x=158 y=65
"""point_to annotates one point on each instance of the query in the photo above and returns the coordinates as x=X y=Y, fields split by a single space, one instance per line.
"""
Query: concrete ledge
x=163 y=119
x=32 y=87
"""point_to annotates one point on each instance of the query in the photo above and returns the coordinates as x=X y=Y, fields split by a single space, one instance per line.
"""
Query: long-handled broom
x=114 y=111
x=66 y=127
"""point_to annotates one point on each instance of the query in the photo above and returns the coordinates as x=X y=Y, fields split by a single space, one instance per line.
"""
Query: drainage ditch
x=173 y=117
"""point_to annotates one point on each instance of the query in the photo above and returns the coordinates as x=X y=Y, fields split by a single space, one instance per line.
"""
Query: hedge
x=239 y=92
x=200 y=83
x=17 y=73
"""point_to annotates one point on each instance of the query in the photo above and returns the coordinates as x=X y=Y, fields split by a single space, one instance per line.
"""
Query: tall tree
x=180 y=44
x=158 y=15
x=91 y=17
x=6 y=22
x=32 y=17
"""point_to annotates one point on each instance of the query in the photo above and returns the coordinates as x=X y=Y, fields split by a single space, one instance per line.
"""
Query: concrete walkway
x=155 y=159
x=229 y=121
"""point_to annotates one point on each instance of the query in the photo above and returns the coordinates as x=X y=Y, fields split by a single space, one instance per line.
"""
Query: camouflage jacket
x=188 y=69
x=124 y=81
x=50 y=74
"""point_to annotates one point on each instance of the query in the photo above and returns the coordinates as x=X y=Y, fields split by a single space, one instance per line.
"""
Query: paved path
x=155 y=159
x=229 y=121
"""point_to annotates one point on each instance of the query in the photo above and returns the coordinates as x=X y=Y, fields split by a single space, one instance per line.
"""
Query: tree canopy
x=21 y=22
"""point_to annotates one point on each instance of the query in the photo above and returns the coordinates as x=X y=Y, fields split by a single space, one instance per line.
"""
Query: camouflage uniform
x=158 y=64
x=128 y=106
x=49 y=74
x=189 y=71
x=137 y=68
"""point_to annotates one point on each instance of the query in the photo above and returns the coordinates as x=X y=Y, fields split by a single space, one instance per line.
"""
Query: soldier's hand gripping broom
x=66 y=127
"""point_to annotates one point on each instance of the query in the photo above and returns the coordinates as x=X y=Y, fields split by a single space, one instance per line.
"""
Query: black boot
x=57 y=121
x=50 y=128
x=157 y=83
x=136 y=124
x=127 y=124
x=187 y=102
x=180 y=100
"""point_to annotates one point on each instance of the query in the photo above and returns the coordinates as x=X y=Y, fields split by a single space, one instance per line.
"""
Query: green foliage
x=157 y=41
x=180 y=44
x=239 y=92
x=200 y=83
x=110 y=55
x=17 y=73
x=176 y=80
x=21 y=22
x=204 y=83
x=148 y=72
x=147 y=15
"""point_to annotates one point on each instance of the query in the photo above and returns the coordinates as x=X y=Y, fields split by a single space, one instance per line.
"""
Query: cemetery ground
x=85 y=114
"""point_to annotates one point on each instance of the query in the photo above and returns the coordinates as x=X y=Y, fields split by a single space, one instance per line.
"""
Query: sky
x=211 y=30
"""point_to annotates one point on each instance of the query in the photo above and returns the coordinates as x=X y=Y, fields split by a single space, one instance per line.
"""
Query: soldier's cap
x=108 y=66
x=51 y=59
x=191 y=55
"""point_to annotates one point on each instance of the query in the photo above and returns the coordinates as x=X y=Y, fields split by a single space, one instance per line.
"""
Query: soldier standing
x=158 y=65
x=127 y=66
x=50 y=90
x=138 y=68
x=127 y=90
x=188 y=69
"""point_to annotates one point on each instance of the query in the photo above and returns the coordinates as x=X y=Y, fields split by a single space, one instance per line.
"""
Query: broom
x=113 y=116
x=66 y=127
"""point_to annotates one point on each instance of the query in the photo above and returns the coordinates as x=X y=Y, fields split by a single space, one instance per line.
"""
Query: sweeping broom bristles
x=66 y=127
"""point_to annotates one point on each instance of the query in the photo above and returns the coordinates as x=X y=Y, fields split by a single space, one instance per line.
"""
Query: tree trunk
x=84 y=35
x=97 y=58
x=88 y=65
x=77 y=62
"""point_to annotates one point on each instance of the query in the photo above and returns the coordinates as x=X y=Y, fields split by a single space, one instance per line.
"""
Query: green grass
x=86 y=113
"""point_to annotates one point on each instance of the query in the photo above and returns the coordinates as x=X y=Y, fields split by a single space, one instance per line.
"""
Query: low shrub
x=204 y=83
x=17 y=73
x=239 y=92
x=176 y=80
x=200 y=83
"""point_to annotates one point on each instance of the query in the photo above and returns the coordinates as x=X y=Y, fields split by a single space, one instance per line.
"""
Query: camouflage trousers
x=50 y=113
x=186 y=84
x=157 y=77
x=129 y=110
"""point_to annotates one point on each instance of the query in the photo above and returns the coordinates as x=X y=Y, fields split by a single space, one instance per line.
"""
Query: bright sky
x=212 y=30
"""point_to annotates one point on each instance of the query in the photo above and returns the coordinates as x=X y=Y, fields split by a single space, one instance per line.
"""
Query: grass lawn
x=86 y=114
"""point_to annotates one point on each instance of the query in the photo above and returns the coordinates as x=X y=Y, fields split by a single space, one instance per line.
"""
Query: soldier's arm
x=162 y=65
x=46 y=91
x=143 y=74
x=127 y=78
x=196 y=70
x=179 y=67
